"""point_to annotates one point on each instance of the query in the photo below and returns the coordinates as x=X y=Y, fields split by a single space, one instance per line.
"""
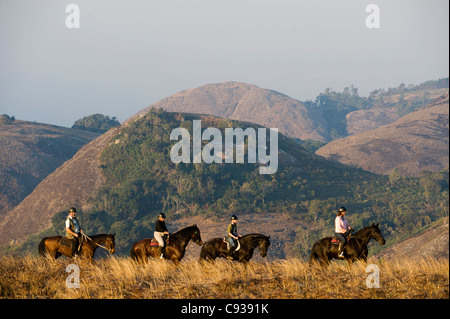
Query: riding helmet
x=162 y=215
x=342 y=209
x=233 y=217
x=72 y=209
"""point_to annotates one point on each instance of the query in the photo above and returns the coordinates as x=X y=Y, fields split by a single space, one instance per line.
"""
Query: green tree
x=5 y=119
x=96 y=123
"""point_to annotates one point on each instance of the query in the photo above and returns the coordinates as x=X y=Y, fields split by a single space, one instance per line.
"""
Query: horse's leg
x=145 y=258
x=173 y=255
x=148 y=252
x=52 y=253
x=175 y=261
x=142 y=255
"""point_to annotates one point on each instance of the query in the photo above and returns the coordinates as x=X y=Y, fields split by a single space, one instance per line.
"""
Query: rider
x=73 y=230
x=232 y=236
x=341 y=228
x=160 y=231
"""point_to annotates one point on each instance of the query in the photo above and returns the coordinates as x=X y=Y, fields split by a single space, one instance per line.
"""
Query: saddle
x=65 y=242
x=334 y=240
x=154 y=242
x=228 y=244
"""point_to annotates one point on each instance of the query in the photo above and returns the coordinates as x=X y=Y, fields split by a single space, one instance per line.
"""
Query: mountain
x=432 y=242
x=120 y=182
x=416 y=142
x=389 y=107
x=125 y=177
x=29 y=152
x=69 y=185
x=365 y=120
x=249 y=103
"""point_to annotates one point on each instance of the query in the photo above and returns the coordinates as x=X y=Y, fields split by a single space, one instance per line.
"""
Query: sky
x=126 y=55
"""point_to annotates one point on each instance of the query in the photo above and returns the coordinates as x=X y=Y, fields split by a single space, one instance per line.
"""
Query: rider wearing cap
x=160 y=231
x=341 y=228
x=232 y=236
x=73 y=230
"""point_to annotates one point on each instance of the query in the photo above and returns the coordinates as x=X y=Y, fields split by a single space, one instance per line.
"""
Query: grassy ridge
x=33 y=277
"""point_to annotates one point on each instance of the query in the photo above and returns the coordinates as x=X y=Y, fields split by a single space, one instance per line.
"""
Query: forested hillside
x=142 y=181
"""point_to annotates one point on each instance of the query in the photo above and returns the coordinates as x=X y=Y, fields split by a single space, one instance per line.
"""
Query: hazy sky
x=129 y=54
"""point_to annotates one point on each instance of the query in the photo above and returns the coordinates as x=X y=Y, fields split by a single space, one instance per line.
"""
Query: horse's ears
x=373 y=224
x=268 y=237
x=378 y=224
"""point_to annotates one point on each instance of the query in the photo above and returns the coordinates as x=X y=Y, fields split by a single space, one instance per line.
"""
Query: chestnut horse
x=49 y=246
x=175 y=249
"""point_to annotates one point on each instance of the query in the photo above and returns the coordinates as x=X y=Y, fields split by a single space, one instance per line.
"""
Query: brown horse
x=216 y=247
x=323 y=251
x=49 y=246
x=175 y=249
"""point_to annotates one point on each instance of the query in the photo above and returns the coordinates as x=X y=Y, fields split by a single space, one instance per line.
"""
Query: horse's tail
x=133 y=253
x=313 y=257
x=42 y=250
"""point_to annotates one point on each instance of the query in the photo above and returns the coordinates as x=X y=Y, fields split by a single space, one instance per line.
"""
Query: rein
x=87 y=237
x=360 y=237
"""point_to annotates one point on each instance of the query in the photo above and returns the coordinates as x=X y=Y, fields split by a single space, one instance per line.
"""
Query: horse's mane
x=181 y=232
x=364 y=229
x=253 y=237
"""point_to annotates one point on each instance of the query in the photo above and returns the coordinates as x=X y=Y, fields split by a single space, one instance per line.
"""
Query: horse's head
x=110 y=243
x=264 y=246
x=376 y=234
x=196 y=237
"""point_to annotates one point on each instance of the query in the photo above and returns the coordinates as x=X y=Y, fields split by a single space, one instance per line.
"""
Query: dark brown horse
x=323 y=251
x=49 y=246
x=175 y=249
x=216 y=247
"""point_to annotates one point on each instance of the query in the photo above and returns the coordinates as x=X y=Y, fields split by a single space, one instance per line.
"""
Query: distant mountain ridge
x=416 y=142
x=249 y=103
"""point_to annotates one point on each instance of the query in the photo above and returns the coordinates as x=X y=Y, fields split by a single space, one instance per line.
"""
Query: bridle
x=90 y=239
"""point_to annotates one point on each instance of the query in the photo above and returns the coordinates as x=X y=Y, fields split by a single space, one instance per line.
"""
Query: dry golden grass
x=33 y=277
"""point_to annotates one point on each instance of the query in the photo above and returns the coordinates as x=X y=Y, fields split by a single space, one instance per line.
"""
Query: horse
x=175 y=249
x=355 y=249
x=217 y=247
x=49 y=246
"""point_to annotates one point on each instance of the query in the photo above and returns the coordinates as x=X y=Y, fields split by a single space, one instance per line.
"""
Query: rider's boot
x=341 y=250
x=161 y=250
x=230 y=253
